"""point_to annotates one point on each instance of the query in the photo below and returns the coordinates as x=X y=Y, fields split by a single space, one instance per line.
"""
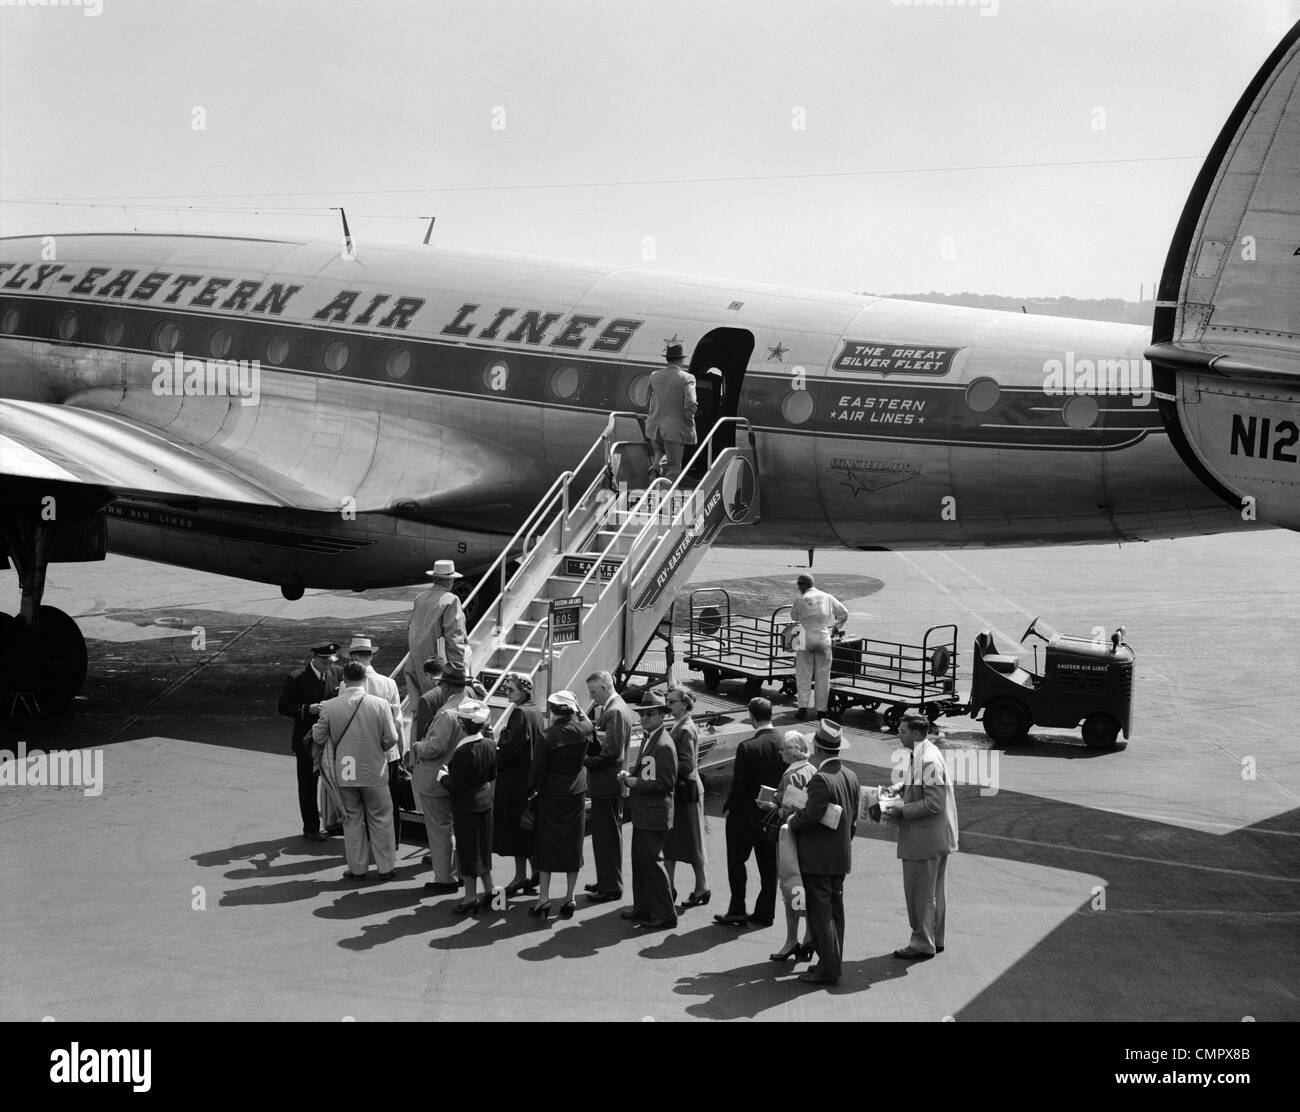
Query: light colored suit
x=927 y=833
x=364 y=732
x=432 y=752
x=670 y=424
x=435 y=613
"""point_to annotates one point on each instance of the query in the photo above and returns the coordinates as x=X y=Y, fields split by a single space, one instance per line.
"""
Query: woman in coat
x=520 y=736
x=799 y=770
x=560 y=781
x=468 y=779
x=685 y=841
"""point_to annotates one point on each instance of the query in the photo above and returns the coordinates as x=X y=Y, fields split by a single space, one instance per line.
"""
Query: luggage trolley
x=723 y=645
x=866 y=672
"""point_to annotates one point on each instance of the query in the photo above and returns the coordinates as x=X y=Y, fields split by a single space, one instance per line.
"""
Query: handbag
x=528 y=815
x=686 y=792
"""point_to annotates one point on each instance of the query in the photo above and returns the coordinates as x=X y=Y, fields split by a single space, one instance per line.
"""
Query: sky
x=1020 y=147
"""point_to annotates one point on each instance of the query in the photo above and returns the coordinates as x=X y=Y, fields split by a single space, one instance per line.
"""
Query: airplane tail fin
x=1225 y=346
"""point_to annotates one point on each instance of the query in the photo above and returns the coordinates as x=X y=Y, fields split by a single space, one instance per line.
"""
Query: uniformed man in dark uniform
x=303 y=693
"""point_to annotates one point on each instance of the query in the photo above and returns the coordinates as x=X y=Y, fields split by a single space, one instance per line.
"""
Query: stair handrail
x=543 y=506
x=577 y=591
x=739 y=422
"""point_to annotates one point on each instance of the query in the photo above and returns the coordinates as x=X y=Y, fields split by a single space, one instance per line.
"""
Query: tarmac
x=1156 y=881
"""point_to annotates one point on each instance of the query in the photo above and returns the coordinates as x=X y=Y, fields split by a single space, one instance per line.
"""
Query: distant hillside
x=1109 y=308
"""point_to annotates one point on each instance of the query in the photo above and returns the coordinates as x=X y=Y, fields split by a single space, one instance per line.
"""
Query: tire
x=712 y=677
x=892 y=717
x=753 y=687
x=52 y=664
x=1007 y=721
x=1100 y=731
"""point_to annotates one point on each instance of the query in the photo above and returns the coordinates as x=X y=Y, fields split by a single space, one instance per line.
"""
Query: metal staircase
x=624 y=548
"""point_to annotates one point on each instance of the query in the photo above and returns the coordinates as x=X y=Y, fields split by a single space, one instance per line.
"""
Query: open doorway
x=718 y=364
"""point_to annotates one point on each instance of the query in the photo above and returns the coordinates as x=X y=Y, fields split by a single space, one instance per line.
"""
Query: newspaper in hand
x=795 y=797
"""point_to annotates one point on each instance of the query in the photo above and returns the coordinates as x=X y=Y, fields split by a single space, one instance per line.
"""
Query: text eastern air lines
x=513 y=324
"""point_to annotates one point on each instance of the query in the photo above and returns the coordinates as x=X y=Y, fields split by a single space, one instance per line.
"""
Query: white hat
x=473 y=711
x=360 y=644
x=444 y=569
x=563 y=699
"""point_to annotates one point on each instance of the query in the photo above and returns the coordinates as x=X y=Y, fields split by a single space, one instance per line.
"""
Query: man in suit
x=651 y=802
x=670 y=425
x=435 y=614
x=606 y=758
x=758 y=763
x=303 y=693
x=826 y=853
x=927 y=833
x=428 y=757
x=364 y=732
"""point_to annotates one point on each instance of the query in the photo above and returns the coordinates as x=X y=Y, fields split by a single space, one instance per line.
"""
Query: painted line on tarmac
x=1132 y=857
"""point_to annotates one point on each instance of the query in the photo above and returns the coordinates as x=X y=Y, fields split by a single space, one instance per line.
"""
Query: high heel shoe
x=541 y=911
x=568 y=908
x=515 y=887
x=786 y=955
x=805 y=951
x=463 y=908
x=697 y=899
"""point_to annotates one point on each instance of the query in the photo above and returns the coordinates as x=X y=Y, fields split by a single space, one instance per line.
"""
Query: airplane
x=312 y=416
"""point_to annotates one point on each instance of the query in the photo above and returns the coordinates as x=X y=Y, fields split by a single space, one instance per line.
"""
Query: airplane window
x=797 y=407
x=219 y=343
x=12 y=319
x=1080 y=411
x=67 y=325
x=168 y=336
x=277 y=350
x=336 y=356
x=114 y=330
x=398 y=363
x=565 y=382
x=982 y=395
x=638 y=391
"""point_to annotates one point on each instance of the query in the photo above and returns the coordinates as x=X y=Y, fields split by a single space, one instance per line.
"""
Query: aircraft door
x=718 y=364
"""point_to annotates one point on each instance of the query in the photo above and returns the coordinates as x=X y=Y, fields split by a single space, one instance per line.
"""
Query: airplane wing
x=1226 y=340
x=66 y=444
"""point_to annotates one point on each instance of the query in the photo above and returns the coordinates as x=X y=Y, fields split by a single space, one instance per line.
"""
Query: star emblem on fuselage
x=777 y=352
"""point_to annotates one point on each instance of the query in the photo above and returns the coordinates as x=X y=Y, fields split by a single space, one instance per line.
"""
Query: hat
x=444 y=569
x=327 y=648
x=473 y=710
x=673 y=353
x=563 y=699
x=455 y=675
x=360 y=644
x=829 y=737
x=651 y=700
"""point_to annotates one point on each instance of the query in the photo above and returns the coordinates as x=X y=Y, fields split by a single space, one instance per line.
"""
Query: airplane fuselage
x=415 y=402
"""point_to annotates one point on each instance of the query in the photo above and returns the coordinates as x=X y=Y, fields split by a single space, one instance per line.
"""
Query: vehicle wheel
x=712 y=677
x=892 y=717
x=1007 y=721
x=789 y=689
x=55 y=659
x=1100 y=731
x=753 y=687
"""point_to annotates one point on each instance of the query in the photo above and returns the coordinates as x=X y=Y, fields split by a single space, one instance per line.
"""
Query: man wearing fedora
x=826 y=851
x=363 y=650
x=428 y=757
x=670 y=424
x=927 y=833
x=435 y=613
x=650 y=798
x=303 y=693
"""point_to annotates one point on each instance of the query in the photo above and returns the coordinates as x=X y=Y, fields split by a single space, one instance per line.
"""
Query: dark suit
x=651 y=804
x=615 y=722
x=825 y=857
x=758 y=763
x=301 y=690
